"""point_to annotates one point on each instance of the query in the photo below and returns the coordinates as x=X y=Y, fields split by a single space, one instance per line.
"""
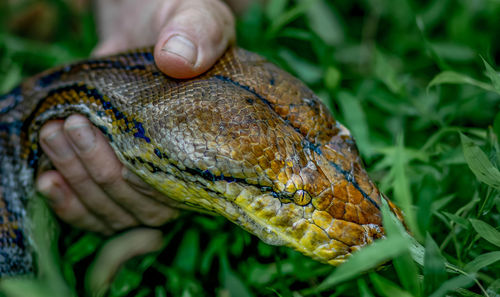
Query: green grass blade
x=84 y=247
x=482 y=261
x=325 y=23
x=355 y=119
x=492 y=74
x=304 y=69
x=402 y=191
x=426 y=197
x=386 y=287
x=408 y=273
x=405 y=266
x=24 y=288
x=232 y=283
x=387 y=73
x=494 y=289
x=451 y=77
x=434 y=266
x=288 y=16
x=187 y=255
x=496 y=126
x=479 y=163
x=363 y=260
x=486 y=231
x=461 y=281
x=364 y=291
x=275 y=8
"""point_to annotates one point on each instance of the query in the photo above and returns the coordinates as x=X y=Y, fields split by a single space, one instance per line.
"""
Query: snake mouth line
x=208 y=176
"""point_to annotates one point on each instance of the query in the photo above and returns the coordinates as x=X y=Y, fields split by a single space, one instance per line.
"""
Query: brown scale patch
x=340 y=190
x=322 y=219
x=351 y=213
x=349 y=233
x=354 y=195
x=276 y=166
x=323 y=201
x=369 y=214
x=337 y=209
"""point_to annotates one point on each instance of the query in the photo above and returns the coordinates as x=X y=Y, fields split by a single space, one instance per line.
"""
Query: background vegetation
x=413 y=80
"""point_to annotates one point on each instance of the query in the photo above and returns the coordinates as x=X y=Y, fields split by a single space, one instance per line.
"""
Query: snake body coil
x=245 y=140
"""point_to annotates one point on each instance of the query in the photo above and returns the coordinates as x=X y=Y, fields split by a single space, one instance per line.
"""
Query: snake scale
x=245 y=140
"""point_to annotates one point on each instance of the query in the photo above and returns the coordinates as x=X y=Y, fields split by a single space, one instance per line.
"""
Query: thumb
x=194 y=37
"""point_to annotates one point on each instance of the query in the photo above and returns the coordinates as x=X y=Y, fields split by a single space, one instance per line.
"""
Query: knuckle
x=157 y=217
x=153 y=221
x=76 y=119
x=224 y=11
x=72 y=215
x=75 y=177
x=208 y=22
x=123 y=223
x=50 y=127
x=107 y=175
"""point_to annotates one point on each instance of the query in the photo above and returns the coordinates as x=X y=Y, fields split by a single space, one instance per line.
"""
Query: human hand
x=91 y=189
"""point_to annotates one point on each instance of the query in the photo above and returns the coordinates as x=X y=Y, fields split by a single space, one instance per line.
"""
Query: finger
x=143 y=188
x=66 y=204
x=105 y=169
x=56 y=146
x=195 y=36
x=128 y=24
x=109 y=47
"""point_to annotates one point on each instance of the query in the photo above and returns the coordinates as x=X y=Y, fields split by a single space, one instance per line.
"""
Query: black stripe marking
x=312 y=146
x=247 y=88
x=205 y=174
x=348 y=176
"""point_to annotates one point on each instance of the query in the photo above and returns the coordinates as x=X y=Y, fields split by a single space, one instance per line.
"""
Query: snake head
x=248 y=141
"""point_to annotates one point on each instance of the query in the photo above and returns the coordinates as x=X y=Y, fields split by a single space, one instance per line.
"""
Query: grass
x=414 y=81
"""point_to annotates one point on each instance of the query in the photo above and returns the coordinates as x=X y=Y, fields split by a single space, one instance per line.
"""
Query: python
x=245 y=140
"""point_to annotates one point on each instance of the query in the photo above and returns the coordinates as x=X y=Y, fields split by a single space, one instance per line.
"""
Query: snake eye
x=301 y=197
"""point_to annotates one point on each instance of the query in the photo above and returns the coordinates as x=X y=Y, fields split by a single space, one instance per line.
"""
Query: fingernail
x=182 y=47
x=51 y=191
x=58 y=144
x=82 y=135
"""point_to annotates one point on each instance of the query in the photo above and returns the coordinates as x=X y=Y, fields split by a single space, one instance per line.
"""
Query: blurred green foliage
x=414 y=81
